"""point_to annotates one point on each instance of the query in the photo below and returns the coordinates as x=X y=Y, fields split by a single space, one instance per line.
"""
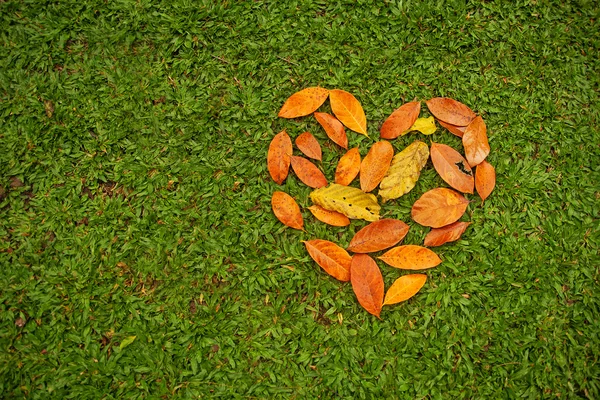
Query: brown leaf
x=331 y=257
x=367 y=283
x=439 y=207
x=348 y=110
x=333 y=128
x=400 y=121
x=348 y=167
x=411 y=257
x=485 y=179
x=445 y=234
x=455 y=130
x=329 y=217
x=303 y=102
x=287 y=210
x=404 y=288
x=475 y=142
x=452 y=167
x=375 y=165
x=278 y=157
x=450 y=111
x=308 y=172
x=307 y=144
x=378 y=235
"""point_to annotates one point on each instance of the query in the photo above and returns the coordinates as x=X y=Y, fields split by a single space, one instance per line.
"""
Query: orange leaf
x=309 y=145
x=333 y=218
x=485 y=179
x=375 y=165
x=367 y=283
x=331 y=257
x=452 y=167
x=333 y=128
x=445 y=234
x=308 y=172
x=287 y=210
x=450 y=111
x=439 y=207
x=455 y=130
x=278 y=157
x=404 y=288
x=348 y=110
x=475 y=142
x=303 y=102
x=411 y=257
x=348 y=167
x=400 y=121
x=378 y=235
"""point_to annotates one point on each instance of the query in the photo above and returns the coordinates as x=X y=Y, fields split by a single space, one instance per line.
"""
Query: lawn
x=139 y=255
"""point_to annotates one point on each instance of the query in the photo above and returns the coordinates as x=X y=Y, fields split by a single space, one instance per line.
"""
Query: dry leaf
x=445 y=234
x=475 y=142
x=367 y=283
x=348 y=110
x=450 y=111
x=485 y=179
x=348 y=167
x=333 y=128
x=455 y=130
x=424 y=125
x=287 y=210
x=308 y=172
x=378 y=235
x=331 y=257
x=404 y=171
x=452 y=167
x=404 y=288
x=303 y=102
x=350 y=201
x=439 y=207
x=307 y=144
x=399 y=122
x=329 y=217
x=375 y=165
x=278 y=157
x=411 y=257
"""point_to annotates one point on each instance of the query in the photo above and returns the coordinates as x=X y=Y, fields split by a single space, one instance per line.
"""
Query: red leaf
x=445 y=234
x=378 y=235
x=278 y=157
x=333 y=128
x=375 y=165
x=331 y=257
x=450 y=111
x=287 y=210
x=367 y=283
x=307 y=144
x=485 y=179
x=308 y=172
x=348 y=167
x=400 y=121
x=452 y=167
x=439 y=207
x=303 y=102
x=475 y=142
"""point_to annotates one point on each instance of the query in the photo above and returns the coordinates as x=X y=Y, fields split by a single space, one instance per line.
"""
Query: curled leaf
x=304 y=102
x=332 y=258
x=404 y=288
x=475 y=142
x=411 y=257
x=348 y=110
x=424 y=125
x=329 y=217
x=287 y=210
x=348 y=167
x=404 y=171
x=278 y=157
x=439 y=207
x=367 y=283
x=452 y=167
x=400 y=121
x=378 y=235
x=333 y=128
x=485 y=179
x=455 y=130
x=445 y=234
x=307 y=144
x=375 y=165
x=350 y=201
x=308 y=172
x=450 y=111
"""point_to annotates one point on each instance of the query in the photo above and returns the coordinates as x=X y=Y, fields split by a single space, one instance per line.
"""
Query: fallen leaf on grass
x=127 y=341
x=287 y=210
x=475 y=142
x=452 y=167
x=404 y=288
x=367 y=283
x=424 y=125
x=331 y=257
x=445 y=234
x=348 y=110
x=304 y=102
x=378 y=235
x=450 y=111
x=411 y=257
x=308 y=145
x=308 y=172
x=278 y=157
x=404 y=171
x=375 y=165
x=348 y=167
x=439 y=207
x=333 y=128
x=350 y=201
x=485 y=179
x=329 y=217
x=455 y=130
x=399 y=122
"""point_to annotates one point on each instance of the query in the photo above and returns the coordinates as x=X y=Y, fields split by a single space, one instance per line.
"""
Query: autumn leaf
x=378 y=235
x=329 y=217
x=375 y=165
x=308 y=172
x=445 y=234
x=485 y=179
x=348 y=167
x=439 y=207
x=411 y=257
x=424 y=125
x=278 y=157
x=452 y=167
x=287 y=210
x=308 y=145
x=399 y=122
x=404 y=171
x=350 y=201
x=455 y=130
x=332 y=258
x=348 y=110
x=333 y=128
x=367 y=283
x=475 y=142
x=404 y=288
x=304 y=102
x=450 y=111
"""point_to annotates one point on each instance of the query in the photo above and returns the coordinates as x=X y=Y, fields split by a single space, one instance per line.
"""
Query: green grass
x=140 y=206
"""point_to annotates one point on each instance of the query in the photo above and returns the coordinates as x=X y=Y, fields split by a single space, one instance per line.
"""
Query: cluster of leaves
x=394 y=174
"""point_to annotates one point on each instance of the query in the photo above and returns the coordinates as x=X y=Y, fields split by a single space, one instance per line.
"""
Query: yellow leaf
x=404 y=171
x=424 y=125
x=127 y=341
x=350 y=201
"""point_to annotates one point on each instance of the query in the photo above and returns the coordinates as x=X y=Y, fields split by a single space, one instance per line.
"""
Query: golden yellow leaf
x=424 y=125
x=404 y=171
x=350 y=201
